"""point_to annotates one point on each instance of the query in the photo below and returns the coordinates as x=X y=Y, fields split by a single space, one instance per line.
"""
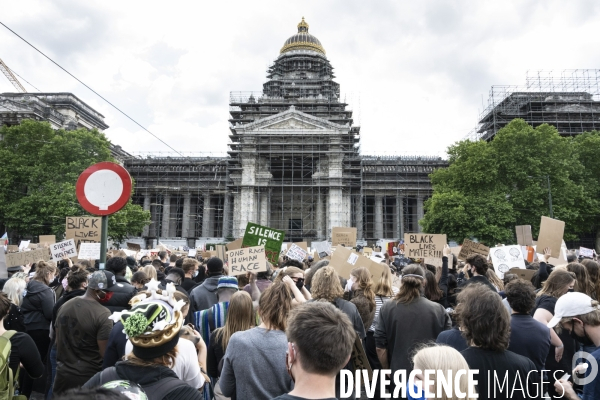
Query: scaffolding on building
x=569 y=100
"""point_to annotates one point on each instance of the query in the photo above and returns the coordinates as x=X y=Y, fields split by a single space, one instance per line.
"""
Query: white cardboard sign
x=296 y=252
x=63 y=249
x=89 y=251
x=506 y=257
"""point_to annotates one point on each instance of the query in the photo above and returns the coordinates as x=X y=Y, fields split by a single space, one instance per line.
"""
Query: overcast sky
x=414 y=72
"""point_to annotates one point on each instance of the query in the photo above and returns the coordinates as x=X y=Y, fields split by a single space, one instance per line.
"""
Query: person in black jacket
x=38 y=302
x=123 y=291
x=476 y=266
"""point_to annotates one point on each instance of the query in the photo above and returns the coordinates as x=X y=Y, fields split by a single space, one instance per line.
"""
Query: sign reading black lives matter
x=271 y=239
x=423 y=245
x=249 y=259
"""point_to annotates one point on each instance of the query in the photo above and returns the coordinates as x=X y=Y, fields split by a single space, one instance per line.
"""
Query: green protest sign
x=271 y=239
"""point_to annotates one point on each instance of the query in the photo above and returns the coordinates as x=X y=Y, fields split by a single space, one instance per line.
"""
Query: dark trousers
x=41 y=337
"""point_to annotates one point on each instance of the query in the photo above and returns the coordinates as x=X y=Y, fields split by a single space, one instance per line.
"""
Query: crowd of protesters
x=177 y=327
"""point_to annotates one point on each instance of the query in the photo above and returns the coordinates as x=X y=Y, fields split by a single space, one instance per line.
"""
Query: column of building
x=358 y=212
x=420 y=212
x=320 y=217
x=399 y=223
x=147 y=202
x=378 y=216
x=227 y=215
x=166 y=216
x=207 y=230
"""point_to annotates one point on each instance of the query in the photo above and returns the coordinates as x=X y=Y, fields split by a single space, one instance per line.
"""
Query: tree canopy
x=490 y=187
x=40 y=167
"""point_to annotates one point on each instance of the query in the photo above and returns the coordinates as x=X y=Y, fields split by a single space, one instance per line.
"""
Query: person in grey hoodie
x=38 y=303
x=204 y=296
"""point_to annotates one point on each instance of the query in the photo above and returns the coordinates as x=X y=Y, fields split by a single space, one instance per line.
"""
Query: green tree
x=490 y=187
x=40 y=167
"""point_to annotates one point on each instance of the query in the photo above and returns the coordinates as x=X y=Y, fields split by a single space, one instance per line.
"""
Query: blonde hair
x=240 y=317
x=383 y=287
x=494 y=279
x=167 y=360
x=42 y=269
x=556 y=282
x=150 y=271
x=14 y=288
x=274 y=306
x=365 y=283
x=443 y=359
x=326 y=285
x=288 y=271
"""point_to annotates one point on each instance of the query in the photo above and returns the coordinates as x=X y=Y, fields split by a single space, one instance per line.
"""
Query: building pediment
x=291 y=119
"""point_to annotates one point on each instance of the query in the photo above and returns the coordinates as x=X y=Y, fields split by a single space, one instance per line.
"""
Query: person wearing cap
x=579 y=315
x=152 y=325
x=122 y=291
x=204 y=296
x=82 y=330
x=206 y=321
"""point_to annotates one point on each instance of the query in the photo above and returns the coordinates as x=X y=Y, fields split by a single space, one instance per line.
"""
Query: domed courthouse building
x=293 y=164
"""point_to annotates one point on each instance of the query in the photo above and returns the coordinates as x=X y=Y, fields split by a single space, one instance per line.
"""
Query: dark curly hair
x=116 y=265
x=483 y=319
x=520 y=295
x=479 y=262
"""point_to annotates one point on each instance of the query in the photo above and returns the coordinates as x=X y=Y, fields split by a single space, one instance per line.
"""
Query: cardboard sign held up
x=344 y=260
x=323 y=248
x=63 y=249
x=470 y=247
x=436 y=262
x=221 y=252
x=344 y=236
x=526 y=274
x=302 y=245
x=133 y=246
x=248 y=259
x=83 y=229
x=584 y=252
x=47 y=239
x=551 y=235
x=12 y=248
x=271 y=239
x=26 y=257
x=524 y=237
x=236 y=244
x=423 y=245
x=296 y=252
x=367 y=251
x=89 y=251
x=505 y=258
x=24 y=244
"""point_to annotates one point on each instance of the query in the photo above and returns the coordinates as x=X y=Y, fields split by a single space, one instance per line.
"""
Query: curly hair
x=326 y=285
x=520 y=295
x=479 y=262
x=483 y=319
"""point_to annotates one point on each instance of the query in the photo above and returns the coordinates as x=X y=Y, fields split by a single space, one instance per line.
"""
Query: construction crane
x=11 y=77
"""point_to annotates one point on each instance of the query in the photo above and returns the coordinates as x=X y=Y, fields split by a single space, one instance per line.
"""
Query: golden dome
x=302 y=40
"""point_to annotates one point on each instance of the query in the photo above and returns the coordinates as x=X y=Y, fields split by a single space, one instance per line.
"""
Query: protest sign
x=12 y=248
x=343 y=236
x=526 y=274
x=83 y=229
x=133 y=247
x=47 y=239
x=583 y=252
x=297 y=253
x=506 y=257
x=322 y=248
x=236 y=244
x=206 y=254
x=422 y=245
x=302 y=245
x=393 y=248
x=367 y=251
x=551 y=235
x=221 y=251
x=469 y=247
x=26 y=257
x=33 y=246
x=63 y=249
x=24 y=244
x=89 y=251
x=524 y=237
x=192 y=253
x=436 y=262
x=248 y=259
x=271 y=239
x=3 y=267
x=456 y=250
x=344 y=260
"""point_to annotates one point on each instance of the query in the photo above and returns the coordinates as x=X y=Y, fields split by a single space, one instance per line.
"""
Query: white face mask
x=195 y=273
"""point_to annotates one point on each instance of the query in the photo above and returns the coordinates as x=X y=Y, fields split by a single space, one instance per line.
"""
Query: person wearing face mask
x=476 y=268
x=294 y=278
x=190 y=268
x=314 y=365
x=579 y=315
x=359 y=291
x=82 y=330
x=562 y=348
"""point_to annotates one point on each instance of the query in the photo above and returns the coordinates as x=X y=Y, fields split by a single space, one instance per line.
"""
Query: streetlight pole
x=549 y=196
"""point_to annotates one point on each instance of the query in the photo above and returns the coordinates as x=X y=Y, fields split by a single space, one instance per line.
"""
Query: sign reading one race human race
x=271 y=239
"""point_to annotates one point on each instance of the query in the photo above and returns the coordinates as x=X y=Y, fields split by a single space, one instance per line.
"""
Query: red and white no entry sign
x=103 y=188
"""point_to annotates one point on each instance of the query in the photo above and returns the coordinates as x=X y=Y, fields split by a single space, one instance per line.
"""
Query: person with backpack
x=152 y=325
x=16 y=348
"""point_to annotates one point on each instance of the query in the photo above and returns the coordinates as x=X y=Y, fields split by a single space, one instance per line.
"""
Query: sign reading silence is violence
x=270 y=239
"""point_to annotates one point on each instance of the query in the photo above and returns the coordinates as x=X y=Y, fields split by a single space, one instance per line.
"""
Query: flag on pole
x=4 y=239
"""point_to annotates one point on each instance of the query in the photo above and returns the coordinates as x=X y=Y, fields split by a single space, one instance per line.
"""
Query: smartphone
x=565 y=377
